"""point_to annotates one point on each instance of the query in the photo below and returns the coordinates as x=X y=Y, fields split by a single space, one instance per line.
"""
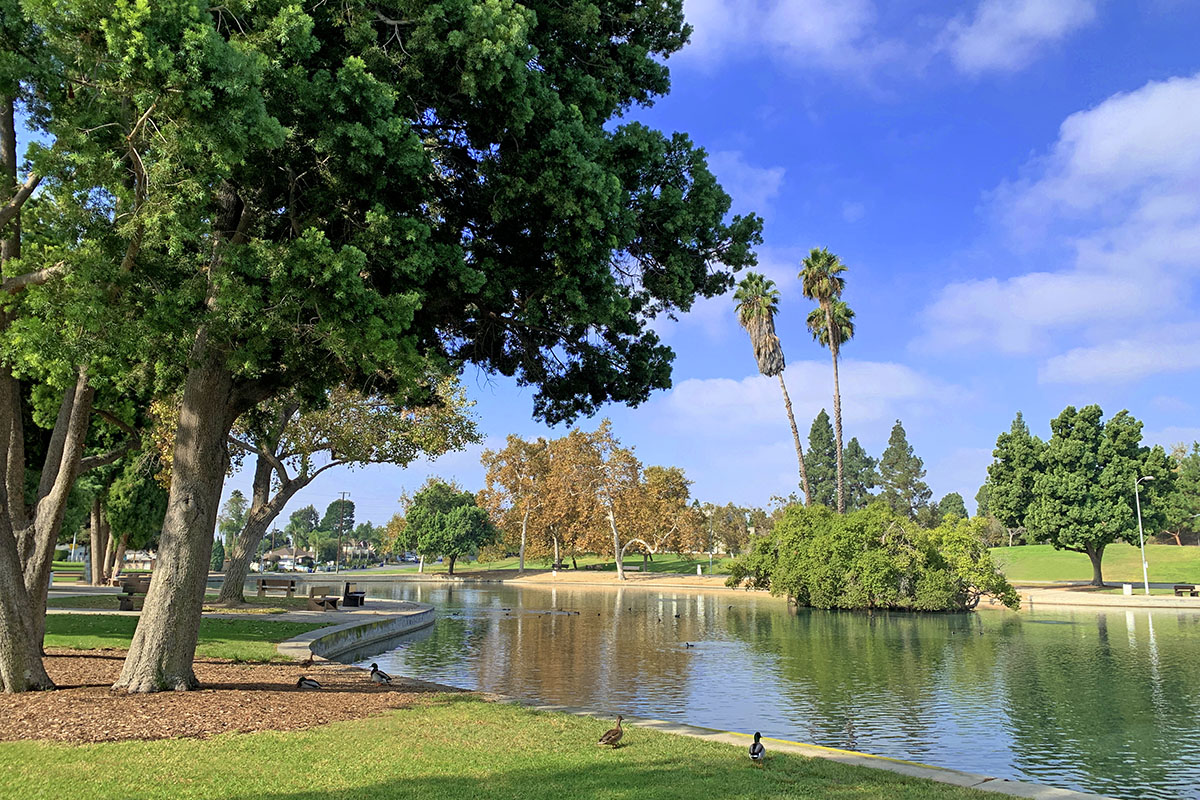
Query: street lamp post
x=1142 y=539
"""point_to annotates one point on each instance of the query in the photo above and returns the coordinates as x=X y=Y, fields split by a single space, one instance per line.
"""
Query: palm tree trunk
x=787 y=403
x=837 y=408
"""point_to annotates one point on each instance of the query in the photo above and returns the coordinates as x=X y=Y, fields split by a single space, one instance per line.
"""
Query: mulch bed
x=233 y=698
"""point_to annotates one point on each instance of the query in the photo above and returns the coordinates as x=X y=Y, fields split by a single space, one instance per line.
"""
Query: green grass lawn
x=250 y=640
x=666 y=563
x=455 y=748
x=1122 y=563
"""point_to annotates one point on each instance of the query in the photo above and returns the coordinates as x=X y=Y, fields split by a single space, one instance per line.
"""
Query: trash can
x=1127 y=588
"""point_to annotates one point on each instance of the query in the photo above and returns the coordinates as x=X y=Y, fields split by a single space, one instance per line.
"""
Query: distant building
x=287 y=559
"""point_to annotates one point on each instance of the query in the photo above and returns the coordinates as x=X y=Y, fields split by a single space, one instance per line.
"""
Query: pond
x=1104 y=701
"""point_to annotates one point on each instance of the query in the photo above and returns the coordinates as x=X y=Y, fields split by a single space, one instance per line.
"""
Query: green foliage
x=301 y=523
x=952 y=505
x=233 y=517
x=445 y=521
x=218 y=556
x=983 y=501
x=1084 y=491
x=136 y=504
x=821 y=462
x=339 y=518
x=756 y=303
x=900 y=474
x=1011 y=475
x=873 y=558
x=1182 y=506
x=860 y=475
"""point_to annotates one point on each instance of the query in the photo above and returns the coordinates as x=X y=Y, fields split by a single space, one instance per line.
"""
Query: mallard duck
x=306 y=682
x=379 y=676
x=757 y=751
x=612 y=737
x=306 y=663
x=688 y=644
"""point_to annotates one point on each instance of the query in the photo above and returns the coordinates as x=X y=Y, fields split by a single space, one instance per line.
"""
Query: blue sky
x=1015 y=187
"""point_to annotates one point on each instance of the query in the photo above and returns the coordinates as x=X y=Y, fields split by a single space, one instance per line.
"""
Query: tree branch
x=104 y=459
x=13 y=206
x=36 y=278
x=113 y=419
x=270 y=457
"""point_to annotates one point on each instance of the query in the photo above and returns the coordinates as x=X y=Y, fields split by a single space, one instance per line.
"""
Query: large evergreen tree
x=1182 y=505
x=861 y=475
x=1011 y=475
x=952 y=504
x=900 y=476
x=822 y=461
x=339 y=518
x=1083 y=495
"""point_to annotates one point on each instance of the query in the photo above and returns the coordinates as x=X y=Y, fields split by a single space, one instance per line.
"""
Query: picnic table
x=1187 y=590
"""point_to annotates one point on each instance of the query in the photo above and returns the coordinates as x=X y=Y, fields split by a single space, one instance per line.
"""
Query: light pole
x=1141 y=539
x=337 y=558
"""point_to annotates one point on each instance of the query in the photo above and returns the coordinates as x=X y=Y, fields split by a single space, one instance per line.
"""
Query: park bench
x=353 y=596
x=1187 y=590
x=135 y=590
x=319 y=599
x=285 y=585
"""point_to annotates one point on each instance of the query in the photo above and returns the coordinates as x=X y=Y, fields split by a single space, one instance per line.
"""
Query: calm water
x=1102 y=701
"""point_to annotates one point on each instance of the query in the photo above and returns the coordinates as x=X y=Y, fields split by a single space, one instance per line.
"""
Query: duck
x=379 y=676
x=306 y=682
x=612 y=737
x=757 y=751
x=307 y=663
x=688 y=644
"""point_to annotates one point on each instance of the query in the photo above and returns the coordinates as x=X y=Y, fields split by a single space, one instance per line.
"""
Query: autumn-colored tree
x=515 y=486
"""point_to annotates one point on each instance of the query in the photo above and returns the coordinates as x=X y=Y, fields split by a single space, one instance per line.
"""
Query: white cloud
x=1124 y=360
x=831 y=34
x=752 y=188
x=1111 y=219
x=874 y=394
x=1006 y=35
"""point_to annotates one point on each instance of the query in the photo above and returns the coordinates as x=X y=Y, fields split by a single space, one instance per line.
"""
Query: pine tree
x=900 y=475
x=1012 y=473
x=983 y=501
x=822 y=461
x=952 y=504
x=859 y=470
x=218 y=556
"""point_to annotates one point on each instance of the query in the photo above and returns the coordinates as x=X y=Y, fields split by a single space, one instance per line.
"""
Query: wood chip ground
x=233 y=698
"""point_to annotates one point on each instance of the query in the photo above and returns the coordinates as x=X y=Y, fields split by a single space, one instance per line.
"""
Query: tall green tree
x=363 y=210
x=861 y=475
x=445 y=520
x=1183 y=503
x=301 y=523
x=1083 y=495
x=339 y=518
x=1017 y=460
x=900 y=476
x=233 y=517
x=983 y=501
x=822 y=461
x=952 y=505
x=757 y=302
x=821 y=281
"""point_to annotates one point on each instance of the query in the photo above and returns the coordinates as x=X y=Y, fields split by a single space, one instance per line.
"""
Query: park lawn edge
x=455 y=746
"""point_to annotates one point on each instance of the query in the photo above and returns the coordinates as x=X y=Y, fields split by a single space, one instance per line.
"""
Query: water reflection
x=1101 y=701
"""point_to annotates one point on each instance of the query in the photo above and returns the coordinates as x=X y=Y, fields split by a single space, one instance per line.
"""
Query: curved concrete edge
x=909 y=769
x=334 y=640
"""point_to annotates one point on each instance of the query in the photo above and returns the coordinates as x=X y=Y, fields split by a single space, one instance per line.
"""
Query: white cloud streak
x=1007 y=35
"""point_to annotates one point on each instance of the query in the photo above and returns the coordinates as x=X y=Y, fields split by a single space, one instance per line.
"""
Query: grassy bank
x=257 y=605
x=236 y=639
x=1122 y=563
x=453 y=748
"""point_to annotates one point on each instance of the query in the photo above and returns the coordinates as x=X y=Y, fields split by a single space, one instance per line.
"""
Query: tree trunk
x=21 y=667
x=451 y=563
x=96 y=539
x=617 y=552
x=574 y=562
x=421 y=562
x=787 y=403
x=837 y=409
x=1095 y=554
x=645 y=563
x=557 y=557
x=524 y=527
x=119 y=558
x=164 y=644
x=263 y=511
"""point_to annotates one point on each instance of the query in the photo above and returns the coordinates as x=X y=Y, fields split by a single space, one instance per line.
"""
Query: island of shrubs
x=873 y=558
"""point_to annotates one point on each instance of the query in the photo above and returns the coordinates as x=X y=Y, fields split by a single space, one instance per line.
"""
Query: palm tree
x=821 y=280
x=757 y=301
